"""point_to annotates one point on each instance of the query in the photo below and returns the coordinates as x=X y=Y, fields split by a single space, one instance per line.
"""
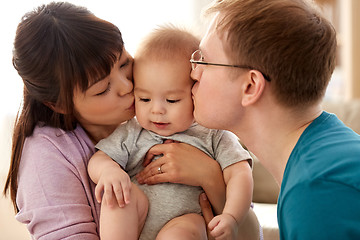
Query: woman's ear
x=55 y=108
x=253 y=87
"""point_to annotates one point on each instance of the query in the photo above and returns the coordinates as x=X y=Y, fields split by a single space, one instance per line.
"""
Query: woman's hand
x=180 y=163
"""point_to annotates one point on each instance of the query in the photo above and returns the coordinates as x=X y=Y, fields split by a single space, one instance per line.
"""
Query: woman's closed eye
x=126 y=63
x=106 y=90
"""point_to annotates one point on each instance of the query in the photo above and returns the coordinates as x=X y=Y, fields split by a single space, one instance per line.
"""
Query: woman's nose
x=125 y=86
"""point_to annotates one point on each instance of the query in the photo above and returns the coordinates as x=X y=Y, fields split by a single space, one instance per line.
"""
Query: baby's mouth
x=161 y=125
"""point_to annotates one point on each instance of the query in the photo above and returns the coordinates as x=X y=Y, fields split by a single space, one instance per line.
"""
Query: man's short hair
x=288 y=40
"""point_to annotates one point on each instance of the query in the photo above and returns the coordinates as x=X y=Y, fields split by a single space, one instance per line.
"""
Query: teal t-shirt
x=320 y=191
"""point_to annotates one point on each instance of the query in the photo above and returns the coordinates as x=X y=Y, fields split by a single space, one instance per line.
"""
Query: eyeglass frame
x=193 y=62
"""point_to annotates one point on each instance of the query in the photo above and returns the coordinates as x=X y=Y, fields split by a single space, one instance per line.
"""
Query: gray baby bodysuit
x=128 y=145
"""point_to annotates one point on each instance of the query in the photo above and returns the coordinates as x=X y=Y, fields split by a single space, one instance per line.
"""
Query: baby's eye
x=144 y=99
x=172 y=100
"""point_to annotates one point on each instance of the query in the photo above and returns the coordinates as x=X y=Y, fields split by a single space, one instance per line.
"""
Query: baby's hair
x=168 y=42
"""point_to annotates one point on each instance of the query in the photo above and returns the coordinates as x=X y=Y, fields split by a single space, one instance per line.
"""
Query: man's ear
x=253 y=87
x=55 y=108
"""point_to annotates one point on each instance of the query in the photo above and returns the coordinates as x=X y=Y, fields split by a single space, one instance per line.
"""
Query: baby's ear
x=253 y=87
x=55 y=108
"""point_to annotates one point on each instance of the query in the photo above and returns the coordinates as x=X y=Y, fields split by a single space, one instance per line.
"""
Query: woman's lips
x=132 y=107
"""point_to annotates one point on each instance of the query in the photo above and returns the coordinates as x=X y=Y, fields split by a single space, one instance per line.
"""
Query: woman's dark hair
x=58 y=47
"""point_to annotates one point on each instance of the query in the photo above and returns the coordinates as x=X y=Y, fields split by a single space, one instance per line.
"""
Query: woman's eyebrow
x=96 y=81
x=128 y=60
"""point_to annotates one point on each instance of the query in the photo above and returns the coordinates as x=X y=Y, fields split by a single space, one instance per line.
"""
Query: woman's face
x=108 y=102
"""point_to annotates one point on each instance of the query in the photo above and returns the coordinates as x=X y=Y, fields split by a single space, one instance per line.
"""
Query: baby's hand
x=223 y=226
x=116 y=185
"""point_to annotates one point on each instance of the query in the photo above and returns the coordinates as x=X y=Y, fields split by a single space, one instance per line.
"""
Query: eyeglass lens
x=196 y=56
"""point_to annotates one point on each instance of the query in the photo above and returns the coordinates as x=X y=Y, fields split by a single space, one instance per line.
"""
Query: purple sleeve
x=55 y=195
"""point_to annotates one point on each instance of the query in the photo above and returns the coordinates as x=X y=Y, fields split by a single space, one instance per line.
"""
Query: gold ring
x=159 y=170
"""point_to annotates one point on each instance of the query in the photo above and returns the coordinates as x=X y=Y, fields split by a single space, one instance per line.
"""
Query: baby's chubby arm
x=239 y=188
x=110 y=178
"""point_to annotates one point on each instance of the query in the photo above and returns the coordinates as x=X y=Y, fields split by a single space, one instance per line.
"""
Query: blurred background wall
x=135 y=18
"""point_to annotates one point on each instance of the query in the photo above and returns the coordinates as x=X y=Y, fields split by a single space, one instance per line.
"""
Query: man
x=262 y=71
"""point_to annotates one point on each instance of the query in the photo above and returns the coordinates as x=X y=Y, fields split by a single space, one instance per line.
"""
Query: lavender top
x=55 y=195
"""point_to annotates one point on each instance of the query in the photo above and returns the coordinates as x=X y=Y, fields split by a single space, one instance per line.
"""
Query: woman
x=77 y=88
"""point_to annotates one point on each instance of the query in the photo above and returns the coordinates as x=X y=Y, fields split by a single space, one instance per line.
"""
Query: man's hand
x=207 y=212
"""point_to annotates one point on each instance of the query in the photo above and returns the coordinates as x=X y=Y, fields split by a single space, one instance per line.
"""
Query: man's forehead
x=212 y=39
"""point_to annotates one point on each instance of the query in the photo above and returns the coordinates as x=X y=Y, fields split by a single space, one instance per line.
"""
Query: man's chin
x=200 y=120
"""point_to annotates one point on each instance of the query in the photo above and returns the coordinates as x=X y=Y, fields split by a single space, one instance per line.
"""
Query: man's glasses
x=197 y=58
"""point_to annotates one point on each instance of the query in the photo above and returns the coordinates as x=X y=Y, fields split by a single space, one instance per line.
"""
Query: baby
x=164 y=110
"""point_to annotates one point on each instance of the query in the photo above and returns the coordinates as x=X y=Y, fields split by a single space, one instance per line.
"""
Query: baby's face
x=163 y=100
